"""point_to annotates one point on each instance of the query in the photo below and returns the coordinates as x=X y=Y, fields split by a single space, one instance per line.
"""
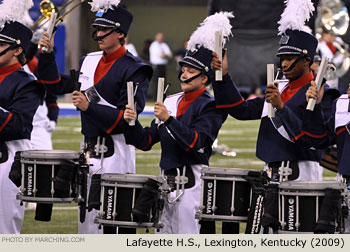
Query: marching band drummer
x=297 y=49
x=103 y=97
x=20 y=97
x=335 y=130
x=189 y=123
x=278 y=146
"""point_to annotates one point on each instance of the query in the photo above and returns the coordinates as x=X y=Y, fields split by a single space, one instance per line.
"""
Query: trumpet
x=47 y=8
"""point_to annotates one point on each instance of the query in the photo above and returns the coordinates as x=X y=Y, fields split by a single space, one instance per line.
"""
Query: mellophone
x=52 y=176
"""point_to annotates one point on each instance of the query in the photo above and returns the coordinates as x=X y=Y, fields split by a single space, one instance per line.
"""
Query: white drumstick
x=160 y=94
x=130 y=86
x=270 y=72
x=218 y=50
x=319 y=78
x=50 y=28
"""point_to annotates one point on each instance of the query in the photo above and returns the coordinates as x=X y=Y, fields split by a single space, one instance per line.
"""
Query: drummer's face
x=189 y=72
x=110 y=43
x=9 y=57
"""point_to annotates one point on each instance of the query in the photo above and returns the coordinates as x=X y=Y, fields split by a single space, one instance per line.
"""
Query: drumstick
x=218 y=50
x=319 y=78
x=270 y=80
x=160 y=94
x=130 y=86
x=349 y=101
x=50 y=28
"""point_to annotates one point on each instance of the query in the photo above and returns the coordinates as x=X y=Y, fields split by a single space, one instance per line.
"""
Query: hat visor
x=190 y=62
x=103 y=24
x=6 y=39
x=280 y=53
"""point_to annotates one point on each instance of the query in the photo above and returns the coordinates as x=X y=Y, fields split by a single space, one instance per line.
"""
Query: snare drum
x=300 y=204
x=39 y=169
x=226 y=195
x=118 y=195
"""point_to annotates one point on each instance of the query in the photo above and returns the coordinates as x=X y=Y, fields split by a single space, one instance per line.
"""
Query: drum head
x=311 y=185
x=50 y=154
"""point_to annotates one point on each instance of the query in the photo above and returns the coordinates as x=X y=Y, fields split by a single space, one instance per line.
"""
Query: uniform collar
x=115 y=55
x=191 y=96
x=10 y=68
x=303 y=80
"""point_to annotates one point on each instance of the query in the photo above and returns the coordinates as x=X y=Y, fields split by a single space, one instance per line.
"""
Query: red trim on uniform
x=6 y=121
x=33 y=64
x=331 y=47
x=149 y=142
x=116 y=122
x=52 y=105
x=303 y=132
x=194 y=141
x=294 y=86
x=106 y=62
x=340 y=130
x=187 y=100
x=4 y=71
x=49 y=82
x=230 y=105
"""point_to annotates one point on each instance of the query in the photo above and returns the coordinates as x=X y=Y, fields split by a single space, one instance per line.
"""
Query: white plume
x=96 y=5
x=295 y=14
x=14 y=10
x=205 y=33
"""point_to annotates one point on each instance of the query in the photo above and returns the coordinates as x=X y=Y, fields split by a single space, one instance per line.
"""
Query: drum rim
x=129 y=177
x=313 y=185
x=50 y=154
x=226 y=171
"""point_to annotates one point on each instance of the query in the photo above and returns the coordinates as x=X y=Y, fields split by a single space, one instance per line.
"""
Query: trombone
x=47 y=8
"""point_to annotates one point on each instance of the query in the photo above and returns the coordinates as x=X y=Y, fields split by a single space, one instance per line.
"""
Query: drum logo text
x=30 y=180
x=209 y=197
x=291 y=214
x=109 y=204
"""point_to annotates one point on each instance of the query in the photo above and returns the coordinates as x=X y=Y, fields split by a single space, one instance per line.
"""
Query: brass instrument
x=332 y=15
x=47 y=8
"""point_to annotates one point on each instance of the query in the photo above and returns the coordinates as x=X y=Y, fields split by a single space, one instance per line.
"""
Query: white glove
x=50 y=126
x=37 y=36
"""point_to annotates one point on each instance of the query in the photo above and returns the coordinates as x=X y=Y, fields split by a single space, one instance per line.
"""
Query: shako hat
x=111 y=14
x=296 y=37
x=12 y=30
x=202 y=41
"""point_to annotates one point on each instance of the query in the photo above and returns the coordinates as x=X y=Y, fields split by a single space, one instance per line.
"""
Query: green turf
x=239 y=135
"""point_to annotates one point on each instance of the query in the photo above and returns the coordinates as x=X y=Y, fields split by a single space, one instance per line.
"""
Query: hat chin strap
x=12 y=46
x=190 y=79
x=97 y=38
x=301 y=56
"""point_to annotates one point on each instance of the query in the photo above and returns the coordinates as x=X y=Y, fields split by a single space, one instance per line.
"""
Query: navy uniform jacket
x=20 y=96
x=185 y=140
x=99 y=119
x=316 y=123
x=271 y=146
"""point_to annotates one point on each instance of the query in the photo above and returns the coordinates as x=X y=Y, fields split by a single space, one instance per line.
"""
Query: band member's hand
x=45 y=42
x=313 y=93
x=161 y=111
x=216 y=64
x=272 y=95
x=80 y=101
x=129 y=114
